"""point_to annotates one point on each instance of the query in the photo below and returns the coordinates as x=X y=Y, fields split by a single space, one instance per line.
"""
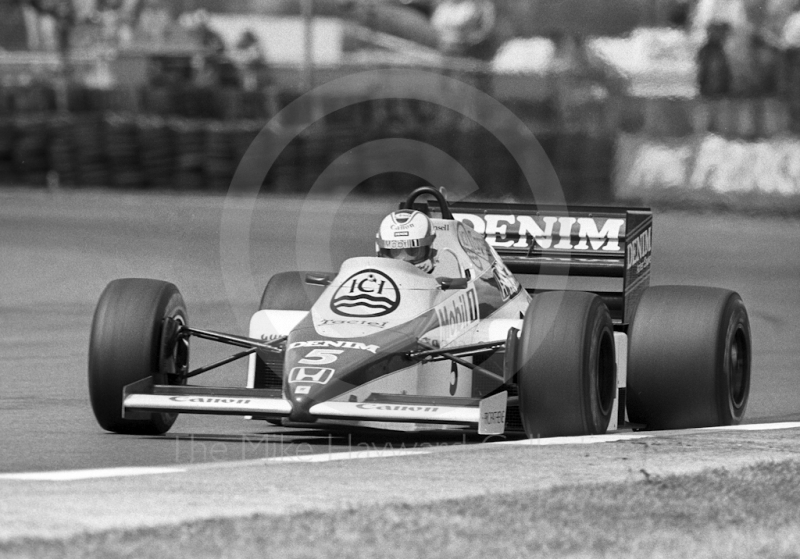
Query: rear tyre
x=567 y=372
x=127 y=344
x=689 y=358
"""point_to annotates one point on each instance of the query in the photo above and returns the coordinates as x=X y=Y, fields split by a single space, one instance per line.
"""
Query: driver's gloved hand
x=426 y=266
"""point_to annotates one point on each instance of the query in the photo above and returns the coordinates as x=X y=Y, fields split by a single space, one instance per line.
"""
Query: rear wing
x=586 y=241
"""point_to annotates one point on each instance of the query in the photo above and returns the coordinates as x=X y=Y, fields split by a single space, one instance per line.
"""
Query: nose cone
x=300 y=406
x=306 y=385
x=320 y=368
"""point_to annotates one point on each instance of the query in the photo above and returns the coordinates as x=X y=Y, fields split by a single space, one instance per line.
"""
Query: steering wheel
x=409 y=203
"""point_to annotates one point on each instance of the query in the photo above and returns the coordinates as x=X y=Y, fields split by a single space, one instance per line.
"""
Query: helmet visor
x=415 y=255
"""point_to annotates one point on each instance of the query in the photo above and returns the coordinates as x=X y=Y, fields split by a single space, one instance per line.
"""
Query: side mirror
x=452 y=283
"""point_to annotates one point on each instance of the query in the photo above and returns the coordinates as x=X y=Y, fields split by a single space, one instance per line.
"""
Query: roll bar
x=443 y=207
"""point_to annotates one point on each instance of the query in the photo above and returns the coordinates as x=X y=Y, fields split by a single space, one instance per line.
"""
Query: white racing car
x=383 y=344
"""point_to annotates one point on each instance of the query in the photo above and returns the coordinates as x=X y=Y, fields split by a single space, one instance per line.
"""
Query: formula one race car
x=383 y=344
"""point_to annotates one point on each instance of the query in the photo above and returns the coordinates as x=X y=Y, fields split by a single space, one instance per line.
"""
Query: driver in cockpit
x=407 y=235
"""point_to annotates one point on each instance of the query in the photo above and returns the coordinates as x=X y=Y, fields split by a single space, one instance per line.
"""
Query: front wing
x=144 y=397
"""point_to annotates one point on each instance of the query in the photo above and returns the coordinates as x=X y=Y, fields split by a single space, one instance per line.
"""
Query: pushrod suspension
x=231 y=339
x=232 y=358
x=463 y=352
x=464 y=362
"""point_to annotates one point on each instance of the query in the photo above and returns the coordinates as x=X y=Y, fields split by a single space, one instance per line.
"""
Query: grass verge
x=752 y=512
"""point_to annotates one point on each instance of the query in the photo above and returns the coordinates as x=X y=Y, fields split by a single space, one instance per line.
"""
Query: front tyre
x=567 y=374
x=689 y=358
x=128 y=343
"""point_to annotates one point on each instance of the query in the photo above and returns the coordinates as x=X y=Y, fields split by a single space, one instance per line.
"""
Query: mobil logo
x=366 y=294
x=316 y=375
x=457 y=315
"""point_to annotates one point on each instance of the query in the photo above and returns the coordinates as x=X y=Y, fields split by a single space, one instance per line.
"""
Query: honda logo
x=317 y=375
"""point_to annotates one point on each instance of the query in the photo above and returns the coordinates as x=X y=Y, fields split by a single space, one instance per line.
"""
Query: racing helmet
x=405 y=235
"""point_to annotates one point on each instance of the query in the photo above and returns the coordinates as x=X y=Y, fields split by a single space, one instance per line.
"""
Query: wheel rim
x=605 y=374
x=738 y=367
x=179 y=360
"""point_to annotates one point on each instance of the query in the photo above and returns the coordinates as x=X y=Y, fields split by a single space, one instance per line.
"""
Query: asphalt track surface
x=58 y=251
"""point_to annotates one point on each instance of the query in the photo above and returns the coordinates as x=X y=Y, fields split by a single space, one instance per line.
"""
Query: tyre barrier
x=29 y=152
x=184 y=100
x=61 y=152
x=156 y=152
x=149 y=151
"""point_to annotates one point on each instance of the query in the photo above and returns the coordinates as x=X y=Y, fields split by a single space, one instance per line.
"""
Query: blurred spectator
x=109 y=14
x=767 y=18
x=679 y=14
x=754 y=41
x=154 y=23
x=714 y=73
x=84 y=9
x=737 y=40
x=766 y=62
x=39 y=28
x=776 y=14
x=791 y=66
x=216 y=68
x=463 y=25
x=117 y=19
x=49 y=24
x=731 y=12
x=791 y=31
x=252 y=62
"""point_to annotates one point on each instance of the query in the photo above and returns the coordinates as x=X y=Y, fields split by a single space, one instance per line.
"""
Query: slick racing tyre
x=689 y=358
x=128 y=344
x=288 y=291
x=566 y=365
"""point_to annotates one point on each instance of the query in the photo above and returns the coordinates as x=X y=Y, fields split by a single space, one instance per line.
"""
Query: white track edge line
x=77 y=475
x=616 y=437
x=347 y=455
x=589 y=439
x=756 y=427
